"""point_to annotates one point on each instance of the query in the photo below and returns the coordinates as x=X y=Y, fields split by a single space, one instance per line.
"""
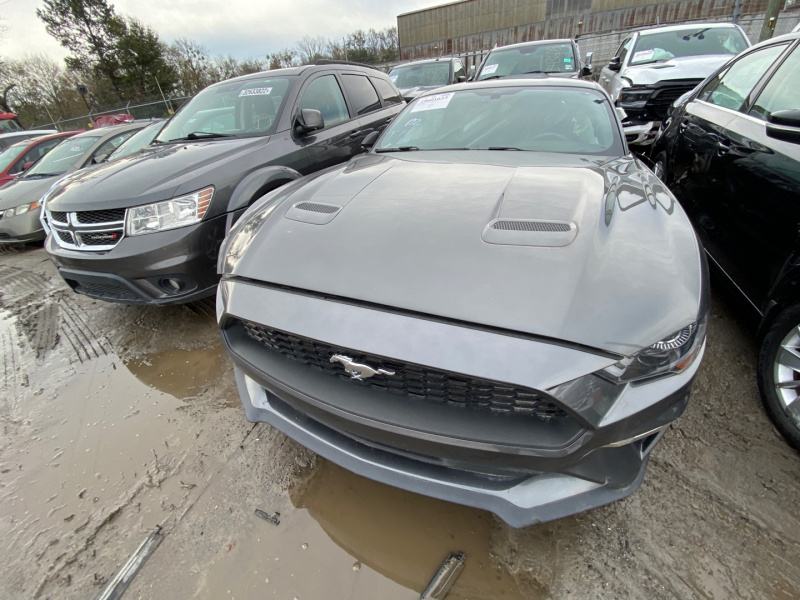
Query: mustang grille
x=410 y=379
x=530 y=226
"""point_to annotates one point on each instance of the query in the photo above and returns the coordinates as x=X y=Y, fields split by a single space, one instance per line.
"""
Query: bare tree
x=311 y=49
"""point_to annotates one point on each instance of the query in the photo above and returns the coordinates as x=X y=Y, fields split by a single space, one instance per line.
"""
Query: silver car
x=654 y=67
x=498 y=305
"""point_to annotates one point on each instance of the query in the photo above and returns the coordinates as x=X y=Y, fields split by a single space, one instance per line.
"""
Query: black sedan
x=498 y=306
x=730 y=152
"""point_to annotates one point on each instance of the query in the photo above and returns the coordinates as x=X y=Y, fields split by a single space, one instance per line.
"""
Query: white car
x=655 y=66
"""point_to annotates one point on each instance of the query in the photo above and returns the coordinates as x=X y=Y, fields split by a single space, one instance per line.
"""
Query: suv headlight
x=169 y=214
x=20 y=210
x=673 y=354
x=634 y=97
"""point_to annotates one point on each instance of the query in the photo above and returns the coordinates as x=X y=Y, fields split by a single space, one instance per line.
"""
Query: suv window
x=782 y=92
x=387 y=91
x=731 y=87
x=623 y=50
x=361 y=93
x=325 y=95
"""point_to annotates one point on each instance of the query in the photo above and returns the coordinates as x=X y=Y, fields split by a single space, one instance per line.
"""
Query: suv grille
x=411 y=379
x=666 y=93
x=110 y=291
x=88 y=230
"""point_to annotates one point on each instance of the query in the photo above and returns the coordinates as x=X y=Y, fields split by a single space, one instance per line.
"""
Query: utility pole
x=737 y=11
x=770 y=19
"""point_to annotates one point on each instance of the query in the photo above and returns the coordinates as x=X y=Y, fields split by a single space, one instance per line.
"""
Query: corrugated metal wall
x=474 y=25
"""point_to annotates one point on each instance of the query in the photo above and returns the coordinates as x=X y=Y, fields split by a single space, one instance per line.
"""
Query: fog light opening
x=172 y=285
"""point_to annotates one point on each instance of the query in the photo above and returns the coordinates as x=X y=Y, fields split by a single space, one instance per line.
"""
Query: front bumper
x=168 y=267
x=641 y=134
x=524 y=469
x=22 y=228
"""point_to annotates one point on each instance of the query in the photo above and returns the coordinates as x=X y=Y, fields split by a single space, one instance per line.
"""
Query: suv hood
x=411 y=234
x=687 y=67
x=159 y=173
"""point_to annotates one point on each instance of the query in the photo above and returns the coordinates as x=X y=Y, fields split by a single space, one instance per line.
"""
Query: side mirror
x=100 y=158
x=27 y=165
x=471 y=73
x=307 y=120
x=784 y=125
x=615 y=64
x=370 y=139
x=461 y=79
x=589 y=57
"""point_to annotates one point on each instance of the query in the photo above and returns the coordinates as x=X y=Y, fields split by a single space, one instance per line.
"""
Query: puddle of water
x=406 y=536
x=180 y=373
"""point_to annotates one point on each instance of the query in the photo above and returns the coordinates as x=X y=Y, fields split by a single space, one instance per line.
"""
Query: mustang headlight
x=673 y=354
x=169 y=214
x=20 y=210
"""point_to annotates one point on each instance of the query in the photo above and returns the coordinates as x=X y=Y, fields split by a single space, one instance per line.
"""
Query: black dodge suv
x=147 y=229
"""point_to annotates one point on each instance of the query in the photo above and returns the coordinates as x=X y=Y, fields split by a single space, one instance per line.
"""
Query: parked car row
x=498 y=304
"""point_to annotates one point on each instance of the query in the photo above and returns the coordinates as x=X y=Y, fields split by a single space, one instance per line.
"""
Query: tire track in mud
x=12 y=381
x=46 y=314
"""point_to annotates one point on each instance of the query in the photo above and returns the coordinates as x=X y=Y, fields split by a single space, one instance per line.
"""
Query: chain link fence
x=150 y=110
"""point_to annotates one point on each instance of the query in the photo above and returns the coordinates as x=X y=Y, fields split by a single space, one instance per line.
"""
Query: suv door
x=365 y=102
x=704 y=157
x=760 y=196
x=332 y=144
x=611 y=81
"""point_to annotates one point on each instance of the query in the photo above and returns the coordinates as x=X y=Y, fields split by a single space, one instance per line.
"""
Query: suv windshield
x=541 y=119
x=653 y=47
x=409 y=76
x=61 y=158
x=536 y=58
x=239 y=107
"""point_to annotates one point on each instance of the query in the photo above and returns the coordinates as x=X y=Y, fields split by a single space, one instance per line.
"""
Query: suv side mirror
x=461 y=78
x=589 y=58
x=307 y=120
x=471 y=73
x=784 y=125
x=615 y=64
x=100 y=158
x=370 y=139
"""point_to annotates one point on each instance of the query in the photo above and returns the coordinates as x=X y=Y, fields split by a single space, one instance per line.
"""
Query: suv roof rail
x=330 y=61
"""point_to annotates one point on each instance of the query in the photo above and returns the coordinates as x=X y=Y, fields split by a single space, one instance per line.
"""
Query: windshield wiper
x=398 y=149
x=490 y=77
x=199 y=135
x=501 y=148
x=41 y=175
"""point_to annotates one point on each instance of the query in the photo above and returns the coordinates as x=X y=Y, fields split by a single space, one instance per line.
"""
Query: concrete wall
x=475 y=25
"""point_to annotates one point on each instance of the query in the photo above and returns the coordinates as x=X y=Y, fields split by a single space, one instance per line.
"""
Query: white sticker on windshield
x=393 y=78
x=432 y=102
x=255 y=92
x=643 y=55
x=489 y=69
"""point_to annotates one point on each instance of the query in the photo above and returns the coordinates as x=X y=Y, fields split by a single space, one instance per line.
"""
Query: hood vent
x=315 y=213
x=529 y=232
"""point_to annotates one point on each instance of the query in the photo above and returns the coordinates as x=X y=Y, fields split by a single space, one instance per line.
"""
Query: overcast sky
x=242 y=28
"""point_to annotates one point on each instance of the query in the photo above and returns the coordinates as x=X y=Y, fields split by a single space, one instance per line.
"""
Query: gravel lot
x=116 y=419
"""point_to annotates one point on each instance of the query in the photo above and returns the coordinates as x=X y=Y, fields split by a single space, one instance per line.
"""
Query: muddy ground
x=117 y=419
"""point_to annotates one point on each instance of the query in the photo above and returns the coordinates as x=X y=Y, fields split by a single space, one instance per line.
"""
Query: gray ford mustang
x=498 y=305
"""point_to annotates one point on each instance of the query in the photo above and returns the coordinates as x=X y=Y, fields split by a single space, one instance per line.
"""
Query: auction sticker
x=489 y=69
x=256 y=92
x=433 y=102
x=643 y=55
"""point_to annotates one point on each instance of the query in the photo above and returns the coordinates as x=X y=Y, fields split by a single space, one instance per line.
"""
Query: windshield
x=538 y=58
x=654 y=47
x=62 y=157
x=426 y=74
x=7 y=156
x=240 y=107
x=137 y=141
x=7 y=126
x=541 y=119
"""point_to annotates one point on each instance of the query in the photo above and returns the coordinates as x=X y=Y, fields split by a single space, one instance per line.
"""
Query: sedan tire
x=779 y=374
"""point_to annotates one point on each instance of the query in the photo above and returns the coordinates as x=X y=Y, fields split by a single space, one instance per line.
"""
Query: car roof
x=295 y=71
x=788 y=37
x=685 y=26
x=534 y=43
x=28 y=133
x=521 y=83
x=426 y=61
x=110 y=130
x=43 y=138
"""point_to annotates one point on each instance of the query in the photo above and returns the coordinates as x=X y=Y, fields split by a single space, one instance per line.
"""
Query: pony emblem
x=357 y=370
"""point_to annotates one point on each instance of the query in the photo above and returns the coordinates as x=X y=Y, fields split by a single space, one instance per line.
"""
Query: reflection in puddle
x=406 y=536
x=180 y=373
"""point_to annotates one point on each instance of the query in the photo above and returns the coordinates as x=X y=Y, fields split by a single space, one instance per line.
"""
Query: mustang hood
x=156 y=174
x=598 y=255
x=688 y=67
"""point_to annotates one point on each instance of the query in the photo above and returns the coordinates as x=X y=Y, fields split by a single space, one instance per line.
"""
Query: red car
x=13 y=160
